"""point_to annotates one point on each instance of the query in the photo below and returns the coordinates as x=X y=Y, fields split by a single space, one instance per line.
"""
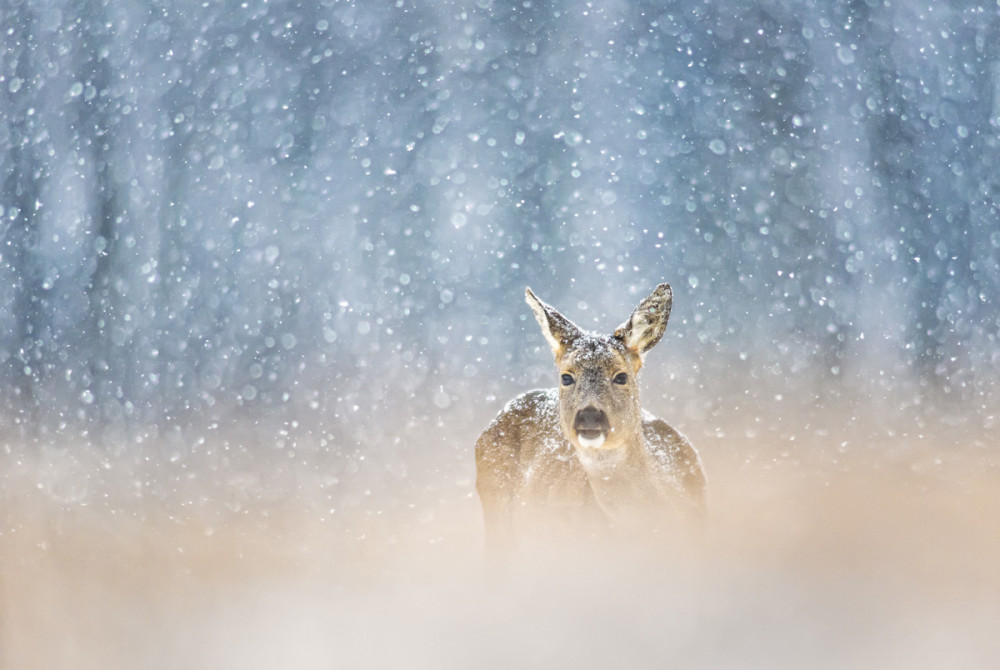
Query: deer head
x=598 y=394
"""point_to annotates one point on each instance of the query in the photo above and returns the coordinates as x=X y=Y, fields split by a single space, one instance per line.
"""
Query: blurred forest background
x=270 y=225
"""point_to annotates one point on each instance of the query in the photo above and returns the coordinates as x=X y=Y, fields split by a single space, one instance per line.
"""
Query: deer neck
x=623 y=478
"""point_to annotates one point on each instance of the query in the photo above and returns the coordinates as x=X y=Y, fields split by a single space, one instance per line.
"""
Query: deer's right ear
x=557 y=329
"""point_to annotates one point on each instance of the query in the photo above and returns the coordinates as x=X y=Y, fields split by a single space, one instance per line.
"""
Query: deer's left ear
x=646 y=325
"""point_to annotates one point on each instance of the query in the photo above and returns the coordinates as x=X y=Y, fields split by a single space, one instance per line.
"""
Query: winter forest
x=273 y=253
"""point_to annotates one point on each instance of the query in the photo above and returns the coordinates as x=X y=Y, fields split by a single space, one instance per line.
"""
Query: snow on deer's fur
x=586 y=451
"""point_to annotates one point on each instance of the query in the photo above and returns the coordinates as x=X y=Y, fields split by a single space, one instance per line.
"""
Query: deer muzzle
x=591 y=426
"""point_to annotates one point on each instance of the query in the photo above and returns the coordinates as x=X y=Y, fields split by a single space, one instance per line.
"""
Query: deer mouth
x=590 y=438
x=591 y=426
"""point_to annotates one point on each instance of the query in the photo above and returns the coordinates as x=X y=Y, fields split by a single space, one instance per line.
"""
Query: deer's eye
x=621 y=378
x=567 y=380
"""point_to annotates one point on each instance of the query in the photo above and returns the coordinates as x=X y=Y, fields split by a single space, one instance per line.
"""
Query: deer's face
x=598 y=393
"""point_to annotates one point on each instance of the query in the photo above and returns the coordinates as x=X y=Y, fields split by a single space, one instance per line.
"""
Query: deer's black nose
x=591 y=422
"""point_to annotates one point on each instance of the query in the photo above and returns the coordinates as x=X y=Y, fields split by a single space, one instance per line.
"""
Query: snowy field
x=821 y=551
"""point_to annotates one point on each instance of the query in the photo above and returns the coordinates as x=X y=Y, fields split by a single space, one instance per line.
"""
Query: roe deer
x=587 y=449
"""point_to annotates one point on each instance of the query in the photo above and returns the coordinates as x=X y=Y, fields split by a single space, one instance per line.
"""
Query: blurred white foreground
x=889 y=561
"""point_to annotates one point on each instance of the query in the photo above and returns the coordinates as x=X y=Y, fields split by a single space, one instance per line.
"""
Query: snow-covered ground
x=883 y=555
